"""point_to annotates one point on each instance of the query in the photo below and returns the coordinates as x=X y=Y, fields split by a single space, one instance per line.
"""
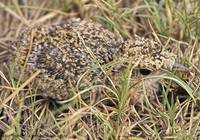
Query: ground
x=173 y=113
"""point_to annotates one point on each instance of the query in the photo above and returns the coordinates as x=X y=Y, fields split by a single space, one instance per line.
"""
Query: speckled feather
x=61 y=53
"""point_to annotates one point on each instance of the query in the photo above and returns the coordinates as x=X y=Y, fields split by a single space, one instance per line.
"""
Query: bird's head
x=148 y=58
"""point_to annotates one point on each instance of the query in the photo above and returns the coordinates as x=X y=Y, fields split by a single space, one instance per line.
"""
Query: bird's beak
x=180 y=67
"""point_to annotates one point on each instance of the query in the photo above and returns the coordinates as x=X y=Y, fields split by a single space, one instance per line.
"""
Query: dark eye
x=145 y=71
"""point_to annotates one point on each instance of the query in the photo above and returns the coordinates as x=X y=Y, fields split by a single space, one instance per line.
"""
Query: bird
x=73 y=55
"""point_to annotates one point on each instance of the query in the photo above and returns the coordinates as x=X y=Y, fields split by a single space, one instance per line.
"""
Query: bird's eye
x=145 y=71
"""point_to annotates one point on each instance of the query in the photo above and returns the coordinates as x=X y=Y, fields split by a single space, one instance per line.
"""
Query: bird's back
x=65 y=52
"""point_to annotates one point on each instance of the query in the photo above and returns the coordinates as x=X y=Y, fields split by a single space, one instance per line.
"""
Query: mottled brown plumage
x=64 y=53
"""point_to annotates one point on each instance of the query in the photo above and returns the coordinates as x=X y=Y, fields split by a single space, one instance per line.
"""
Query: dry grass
x=172 y=114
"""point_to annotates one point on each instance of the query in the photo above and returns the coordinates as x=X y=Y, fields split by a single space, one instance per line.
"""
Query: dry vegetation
x=173 y=114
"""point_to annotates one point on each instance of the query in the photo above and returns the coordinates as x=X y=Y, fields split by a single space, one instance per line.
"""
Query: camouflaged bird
x=66 y=52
